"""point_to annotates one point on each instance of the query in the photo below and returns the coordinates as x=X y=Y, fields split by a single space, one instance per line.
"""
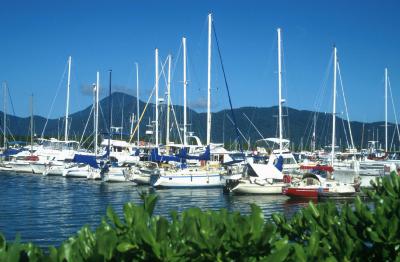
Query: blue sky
x=38 y=36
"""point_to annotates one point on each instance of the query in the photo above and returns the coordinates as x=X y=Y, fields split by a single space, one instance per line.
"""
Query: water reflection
x=47 y=210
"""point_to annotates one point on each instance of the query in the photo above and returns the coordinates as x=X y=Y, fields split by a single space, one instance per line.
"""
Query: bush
x=356 y=232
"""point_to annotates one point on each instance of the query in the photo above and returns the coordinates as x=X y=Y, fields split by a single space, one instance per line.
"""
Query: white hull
x=5 y=166
x=141 y=179
x=247 y=187
x=38 y=168
x=54 y=171
x=81 y=172
x=188 y=178
x=115 y=174
x=21 y=167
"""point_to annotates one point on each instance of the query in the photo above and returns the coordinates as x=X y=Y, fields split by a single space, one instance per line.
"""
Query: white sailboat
x=266 y=178
x=201 y=176
x=87 y=167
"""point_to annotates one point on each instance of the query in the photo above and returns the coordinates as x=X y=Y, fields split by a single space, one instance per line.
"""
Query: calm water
x=47 y=210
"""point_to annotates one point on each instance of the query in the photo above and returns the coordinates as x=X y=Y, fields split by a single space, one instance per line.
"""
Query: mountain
x=298 y=124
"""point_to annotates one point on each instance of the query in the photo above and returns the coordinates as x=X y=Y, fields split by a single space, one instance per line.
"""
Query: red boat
x=304 y=192
x=314 y=186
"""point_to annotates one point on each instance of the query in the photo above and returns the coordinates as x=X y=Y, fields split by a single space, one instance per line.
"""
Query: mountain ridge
x=298 y=124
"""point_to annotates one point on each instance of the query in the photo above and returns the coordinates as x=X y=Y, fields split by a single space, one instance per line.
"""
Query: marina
x=234 y=132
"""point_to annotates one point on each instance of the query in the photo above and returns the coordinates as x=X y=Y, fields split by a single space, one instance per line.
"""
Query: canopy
x=86 y=159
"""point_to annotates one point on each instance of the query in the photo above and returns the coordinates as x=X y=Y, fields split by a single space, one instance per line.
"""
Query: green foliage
x=351 y=232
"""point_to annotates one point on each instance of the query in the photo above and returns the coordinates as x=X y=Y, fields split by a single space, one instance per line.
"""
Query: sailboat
x=182 y=175
x=56 y=153
x=23 y=161
x=267 y=178
x=85 y=165
x=314 y=184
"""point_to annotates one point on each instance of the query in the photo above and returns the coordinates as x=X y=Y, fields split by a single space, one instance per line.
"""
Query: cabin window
x=310 y=181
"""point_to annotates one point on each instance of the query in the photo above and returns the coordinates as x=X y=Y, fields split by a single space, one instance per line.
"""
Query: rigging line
x=320 y=96
x=240 y=132
x=345 y=133
x=143 y=111
x=171 y=104
x=174 y=67
x=104 y=119
x=54 y=100
x=226 y=85
x=252 y=124
x=394 y=108
x=87 y=122
x=285 y=86
x=9 y=132
x=163 y=71
x=176 y=123
x=391 y=143
x=249 y=127
x=345 y=106
x=11 y=102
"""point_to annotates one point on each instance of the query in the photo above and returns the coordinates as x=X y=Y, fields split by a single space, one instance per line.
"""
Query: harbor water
x=48 y=210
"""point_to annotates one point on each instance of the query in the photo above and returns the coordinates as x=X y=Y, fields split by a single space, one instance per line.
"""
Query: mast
x=5 y=115
x=67 y=106
x=184 y=92
x=168 y=98
x=280 y=89
x=209 y=81
x=137 y=100
x=109 y=115
x=31 y=123
x=156 y=62
x=334 y=103
x=314 y=134
x=96 y=128
x=386 y=120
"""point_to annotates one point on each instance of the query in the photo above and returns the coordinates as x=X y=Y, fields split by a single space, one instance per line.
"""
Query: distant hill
x=298 y=124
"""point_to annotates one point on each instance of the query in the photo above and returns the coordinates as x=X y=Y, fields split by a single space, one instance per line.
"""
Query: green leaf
x=3 y=242
x=149 y=203
x=106 y=241
x=299 y=253
x=128 y=213
x=314 y=210
x=125 y=246
x=280 y=252
x=113 y=217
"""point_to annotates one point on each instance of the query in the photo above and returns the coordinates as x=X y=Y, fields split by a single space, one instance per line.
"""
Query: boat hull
x=246 y=187
x=302 y=192
x=21 y=167
x=141 y=179
x=116 y=175
x=186 y=181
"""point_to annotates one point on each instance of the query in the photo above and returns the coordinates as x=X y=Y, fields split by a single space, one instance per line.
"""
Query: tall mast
x=109 y=115
x=137 y=100
x=209 y=81
x=156 y=61
x=31 y=123
x=334 y=103
x=96 y=128
x=386 y=121
x=5 y=115
x=67 y=106
x=184 y=92
x=168 y=98
x=314 y=134
x=280 y=89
